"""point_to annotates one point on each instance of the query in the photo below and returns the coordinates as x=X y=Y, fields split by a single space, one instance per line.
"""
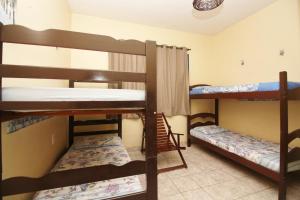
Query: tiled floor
x=212 y=177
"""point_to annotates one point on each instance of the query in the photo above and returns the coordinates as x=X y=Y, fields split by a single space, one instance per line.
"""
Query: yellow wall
x=213 y=59
x=121 y=30
x=257 y=40
x=216 y=59
x=30 y=152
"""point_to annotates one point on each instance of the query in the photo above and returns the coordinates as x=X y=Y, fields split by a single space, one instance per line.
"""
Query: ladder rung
x=95 y=122
x=95 y=132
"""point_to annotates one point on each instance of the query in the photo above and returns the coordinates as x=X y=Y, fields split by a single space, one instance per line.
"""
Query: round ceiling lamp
x=205 y=5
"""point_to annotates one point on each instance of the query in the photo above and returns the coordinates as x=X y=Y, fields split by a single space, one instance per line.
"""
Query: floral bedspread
x=265 y=86
x=90 y=151
x=259 y=151
x=225 y=89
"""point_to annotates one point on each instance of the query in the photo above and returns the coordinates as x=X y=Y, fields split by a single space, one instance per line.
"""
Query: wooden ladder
x=112 y=120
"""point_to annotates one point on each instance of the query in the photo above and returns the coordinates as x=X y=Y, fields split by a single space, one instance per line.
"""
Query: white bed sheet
x=70 y=94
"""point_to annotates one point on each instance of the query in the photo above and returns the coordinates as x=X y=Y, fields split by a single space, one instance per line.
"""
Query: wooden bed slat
x=294 y=135
x=9 y=115
x=202 y=124
x=68 y=39
x=294 y=154
x=83 y=75
x=294 y=94
x=94 y=122
x=198 y=85
x=95 y=132
x=202 y=115
x=49 y=105
x=19 y=185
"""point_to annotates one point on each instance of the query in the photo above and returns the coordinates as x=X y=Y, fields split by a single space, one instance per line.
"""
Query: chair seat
x=164 y=147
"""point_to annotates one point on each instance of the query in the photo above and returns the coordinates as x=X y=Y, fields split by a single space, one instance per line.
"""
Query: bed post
x=283 y=135
x=217 y=112
x=71 y=120
x=150 y=121
x=188 y=121
x=1 y=54
x=119 y=116
x=119 y=125
x=188 y=124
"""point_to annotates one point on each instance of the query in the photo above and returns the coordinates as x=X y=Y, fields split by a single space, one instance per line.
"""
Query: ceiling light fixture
x=205 y=5
x=8 y=9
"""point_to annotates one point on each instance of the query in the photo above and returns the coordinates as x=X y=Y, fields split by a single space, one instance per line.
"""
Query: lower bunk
x=94 y=168
x=88 y=151
x=256 y=154
x=258 y=151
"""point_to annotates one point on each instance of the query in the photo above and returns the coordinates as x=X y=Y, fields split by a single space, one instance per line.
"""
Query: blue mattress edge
x=258 y=87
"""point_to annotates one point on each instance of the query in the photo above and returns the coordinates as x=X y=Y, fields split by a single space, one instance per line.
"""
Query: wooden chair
x=165 y=140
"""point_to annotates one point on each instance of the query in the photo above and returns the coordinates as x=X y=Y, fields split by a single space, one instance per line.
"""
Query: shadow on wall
x=203 y=15
x=18 y=124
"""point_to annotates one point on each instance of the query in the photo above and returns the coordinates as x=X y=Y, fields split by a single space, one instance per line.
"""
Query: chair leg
x=182 y=158
x=179 y=151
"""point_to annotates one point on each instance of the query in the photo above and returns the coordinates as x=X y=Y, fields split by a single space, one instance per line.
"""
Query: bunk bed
x=112 y=120
x=54 y=104
x=275 y=161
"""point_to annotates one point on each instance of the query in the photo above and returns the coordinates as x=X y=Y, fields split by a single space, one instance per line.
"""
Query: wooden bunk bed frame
x=115 y=120
x=75 y=40
x=283 y=95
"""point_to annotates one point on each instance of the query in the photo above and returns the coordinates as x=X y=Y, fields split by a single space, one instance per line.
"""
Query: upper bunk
x=41 y=101
x=257 y=91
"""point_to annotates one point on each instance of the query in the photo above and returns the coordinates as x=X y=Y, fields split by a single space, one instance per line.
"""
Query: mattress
x=261 y=152
x=90 y=151
x=70 y=94
x=257 y=87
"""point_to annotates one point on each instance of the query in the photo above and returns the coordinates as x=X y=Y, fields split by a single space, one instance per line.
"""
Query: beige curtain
x=172 y=81
x=172 y=77
x=127 y=63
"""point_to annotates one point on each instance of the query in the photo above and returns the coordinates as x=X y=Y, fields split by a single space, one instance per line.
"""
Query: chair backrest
x=164 y=142
x=162 y=123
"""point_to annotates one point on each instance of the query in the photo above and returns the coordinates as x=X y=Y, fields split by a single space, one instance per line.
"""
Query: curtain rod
x=172 y=47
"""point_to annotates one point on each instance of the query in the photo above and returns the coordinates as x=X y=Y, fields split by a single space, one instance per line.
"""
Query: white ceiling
x=173 y=14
